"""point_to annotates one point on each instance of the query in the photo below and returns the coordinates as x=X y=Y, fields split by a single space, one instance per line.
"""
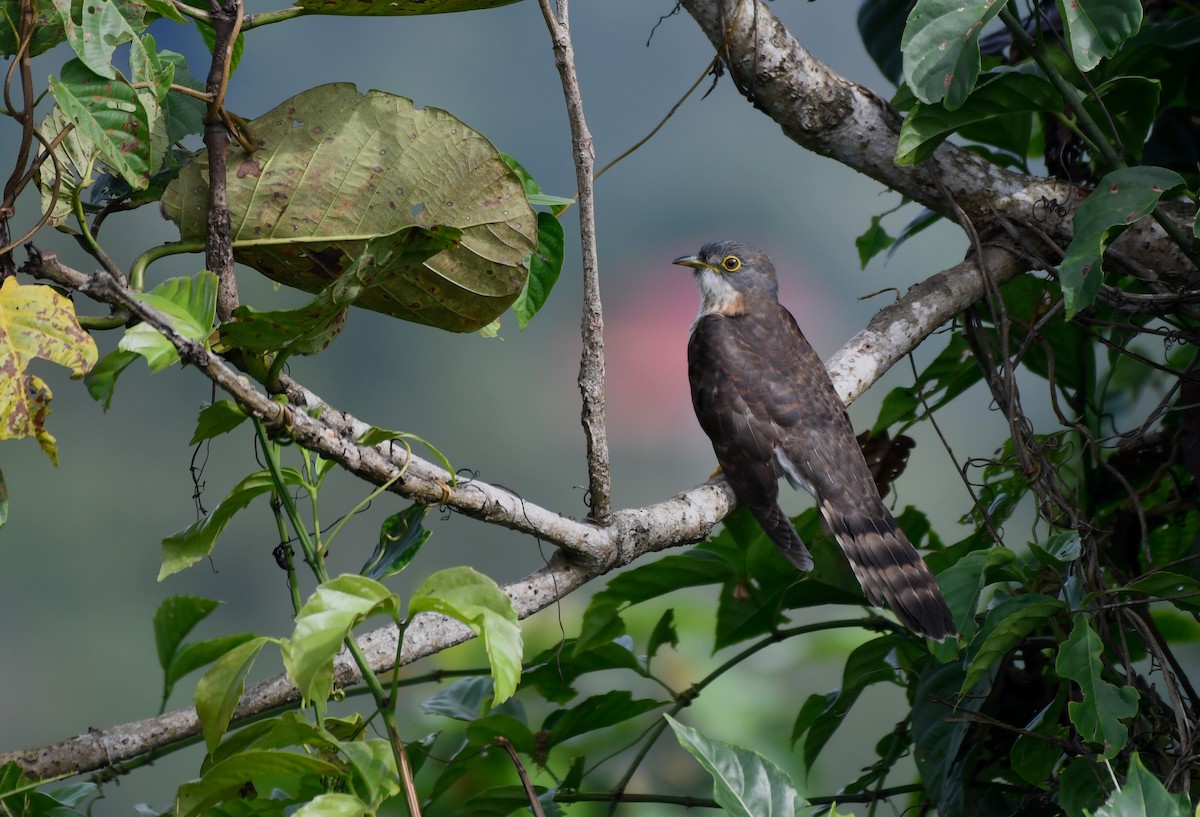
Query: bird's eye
x=731 y=263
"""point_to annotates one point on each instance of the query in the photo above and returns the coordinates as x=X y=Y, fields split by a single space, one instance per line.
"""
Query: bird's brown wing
x=820 y=453
x=730 y=380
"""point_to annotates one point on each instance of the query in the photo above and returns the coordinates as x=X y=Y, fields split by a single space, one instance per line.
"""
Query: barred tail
x=890 y=570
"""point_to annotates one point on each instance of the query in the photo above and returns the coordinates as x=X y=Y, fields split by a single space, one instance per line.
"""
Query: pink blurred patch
x=646 y=334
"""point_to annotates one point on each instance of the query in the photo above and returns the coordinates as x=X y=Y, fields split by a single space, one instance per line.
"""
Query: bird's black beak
x=692 y=261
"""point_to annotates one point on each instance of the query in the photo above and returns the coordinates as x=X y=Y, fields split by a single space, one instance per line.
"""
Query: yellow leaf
x=36 y=322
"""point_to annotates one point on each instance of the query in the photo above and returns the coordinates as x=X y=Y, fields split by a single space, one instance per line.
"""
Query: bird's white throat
x=717 y=295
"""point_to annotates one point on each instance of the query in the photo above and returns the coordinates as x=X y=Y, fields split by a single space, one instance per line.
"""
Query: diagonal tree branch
x=834 y=117
x=587 y=550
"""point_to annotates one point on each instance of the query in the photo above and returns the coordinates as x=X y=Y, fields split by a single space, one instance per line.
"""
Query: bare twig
x=534 y=804
x=226 y=20
x=591 y=363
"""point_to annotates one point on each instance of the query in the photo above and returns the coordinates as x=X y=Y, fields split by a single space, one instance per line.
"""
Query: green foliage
x=472 y=598
x=1099 y=716
x=744 y=783
x=183 y=549
x=941 y=48
x=1063 y=674
x=189 y=304
x=324 y=622
x=1120 y=198
x=400 y=539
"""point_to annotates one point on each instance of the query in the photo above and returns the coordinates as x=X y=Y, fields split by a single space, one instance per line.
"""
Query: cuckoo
x=765 y=401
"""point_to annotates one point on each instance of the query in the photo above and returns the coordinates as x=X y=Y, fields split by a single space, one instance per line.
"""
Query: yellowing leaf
x=36 y=322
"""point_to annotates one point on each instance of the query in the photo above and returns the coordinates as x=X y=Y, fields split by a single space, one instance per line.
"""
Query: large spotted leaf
x=338 y=170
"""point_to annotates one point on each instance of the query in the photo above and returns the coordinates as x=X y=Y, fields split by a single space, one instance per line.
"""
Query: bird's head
x=731 y=276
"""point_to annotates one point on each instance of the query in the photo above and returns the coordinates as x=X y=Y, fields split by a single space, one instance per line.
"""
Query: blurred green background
x=79 y=555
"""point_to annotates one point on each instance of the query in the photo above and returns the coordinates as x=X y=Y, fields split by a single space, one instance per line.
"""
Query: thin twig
x=591 y=363
x=226 y=20
x=534 y=803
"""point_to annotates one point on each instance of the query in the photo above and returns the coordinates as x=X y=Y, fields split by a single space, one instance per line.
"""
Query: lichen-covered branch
x=832 y=116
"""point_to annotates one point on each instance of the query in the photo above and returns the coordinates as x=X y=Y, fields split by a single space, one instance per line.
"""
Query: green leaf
x=373 y=770
x=900 y=405
x=312 y=327
x=95 y=35
x=663 y=633
x=745 y=783
x=1000 y=97
x=1036 y=754
x=1144 y=795
x=192 y=657
x=220 y=418
x=1119 y=199
x=544 y=268
x=867 y=665
x=941 y=48
x=190 y=305
x=485 y=731
x=601 y=620
x=939 y=725
x=502 y=801
x=338 y=169
x=553 y=671
x=174 y=619
x=467 y=595
x=1095 y=28
x=325 y=621
x=101 y=381
x=400 y=537
x=47 y=34
x=264 y=771
x=1098 y=716
x=1081 y=787
x=183 y=549
x=1130 y=103
x=596 y=712
x=463 y=700
x=109 y=113
x=874 y=241
x=1006 y=626
x=185 y=114
x=961 y=584
x=220 y=689
x=1182 y=591
x=881 y=25
x=332 y=805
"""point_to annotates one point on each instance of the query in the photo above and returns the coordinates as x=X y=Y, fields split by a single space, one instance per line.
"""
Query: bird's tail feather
x=890 y=570
x=782 y=532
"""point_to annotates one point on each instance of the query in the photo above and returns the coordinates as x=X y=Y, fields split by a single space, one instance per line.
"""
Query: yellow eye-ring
x=731 y=263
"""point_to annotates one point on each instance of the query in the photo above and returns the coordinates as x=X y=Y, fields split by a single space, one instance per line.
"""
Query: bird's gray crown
x=752 y=274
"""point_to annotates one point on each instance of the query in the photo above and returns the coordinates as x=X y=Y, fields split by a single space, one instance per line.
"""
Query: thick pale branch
x=899 y=328
x=832 y=116
x=588 y=551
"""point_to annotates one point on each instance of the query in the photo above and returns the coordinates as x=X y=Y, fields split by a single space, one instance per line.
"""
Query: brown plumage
x=765 y=401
